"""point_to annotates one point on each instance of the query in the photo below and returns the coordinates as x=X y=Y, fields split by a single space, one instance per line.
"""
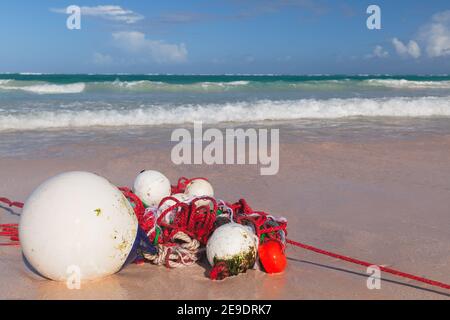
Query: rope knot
x=181 y=251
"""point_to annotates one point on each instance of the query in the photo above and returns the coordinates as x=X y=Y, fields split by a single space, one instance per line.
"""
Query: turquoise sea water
x=53 y=101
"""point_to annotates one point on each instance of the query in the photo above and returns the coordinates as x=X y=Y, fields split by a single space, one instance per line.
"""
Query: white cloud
x=109 y=12
x=102 y=59
x=378 y=52
x=436 y=35
x=157 y=50
x=412 y=49
x=442 y=17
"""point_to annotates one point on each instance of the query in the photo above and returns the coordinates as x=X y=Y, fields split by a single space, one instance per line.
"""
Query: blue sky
x=226 y=36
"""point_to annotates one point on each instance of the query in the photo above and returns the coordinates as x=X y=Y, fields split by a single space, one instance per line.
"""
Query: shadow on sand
x=365 y=276
x=9 y=210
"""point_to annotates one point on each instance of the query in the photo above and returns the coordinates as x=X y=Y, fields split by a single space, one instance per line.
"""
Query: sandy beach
x=329 y=118
x=384 y=200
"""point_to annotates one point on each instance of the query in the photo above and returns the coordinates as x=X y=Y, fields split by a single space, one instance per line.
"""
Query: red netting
x=198 y=221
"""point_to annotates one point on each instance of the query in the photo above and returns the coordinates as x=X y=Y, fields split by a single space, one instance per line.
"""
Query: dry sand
x=386 y=201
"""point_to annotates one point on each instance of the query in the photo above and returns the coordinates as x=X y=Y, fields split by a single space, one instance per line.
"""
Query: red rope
x=10 y=230
x=197 y=221
x=219 y=271
x=182 y=184
x=11 y=203
x=137 y=204
x=368 y=264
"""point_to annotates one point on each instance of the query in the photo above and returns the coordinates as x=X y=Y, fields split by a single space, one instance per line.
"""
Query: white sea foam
x=40 y=87
x=229 y=112
x=154 y=86
x=140 y=86
x=43 y=88
x=30 y=73
x=408 y=84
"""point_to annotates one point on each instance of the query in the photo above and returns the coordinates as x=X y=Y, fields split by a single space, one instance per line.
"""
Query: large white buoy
x=168 y=218
x=151 y=187
x=234 y=244
x=78 y=226
x=199 y=188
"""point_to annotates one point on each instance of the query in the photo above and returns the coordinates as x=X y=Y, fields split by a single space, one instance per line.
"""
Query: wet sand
x=382 y=200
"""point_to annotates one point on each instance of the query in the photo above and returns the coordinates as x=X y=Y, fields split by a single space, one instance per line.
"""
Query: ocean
x=71 y=104
x=30 y=101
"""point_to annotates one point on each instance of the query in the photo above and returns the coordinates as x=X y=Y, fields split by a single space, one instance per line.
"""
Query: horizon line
x=226 y=74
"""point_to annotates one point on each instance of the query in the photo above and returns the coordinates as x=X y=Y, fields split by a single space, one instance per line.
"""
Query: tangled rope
x=184 y=253
x=179 y=241
x=183 y=183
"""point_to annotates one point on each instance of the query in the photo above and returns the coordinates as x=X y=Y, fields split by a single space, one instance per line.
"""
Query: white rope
x=184 y=254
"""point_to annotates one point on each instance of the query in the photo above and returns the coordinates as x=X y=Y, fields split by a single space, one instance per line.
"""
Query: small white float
x=199 y=188
x=151 y=187
x=235 y=245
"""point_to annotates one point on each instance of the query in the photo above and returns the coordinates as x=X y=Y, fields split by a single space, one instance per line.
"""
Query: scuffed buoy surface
x=199 y=188
x=235 y=245
x=77 y=222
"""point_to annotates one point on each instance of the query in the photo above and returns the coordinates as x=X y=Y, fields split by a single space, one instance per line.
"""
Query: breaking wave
x=39 y=87
x=43 y=87
x=408 y=84
x=261 y=110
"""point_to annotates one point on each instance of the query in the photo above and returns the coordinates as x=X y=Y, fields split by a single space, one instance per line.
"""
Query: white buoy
x=168 y=218
x=77 y=226
x=234 y=244
x=151 y=187
x=199 y=188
